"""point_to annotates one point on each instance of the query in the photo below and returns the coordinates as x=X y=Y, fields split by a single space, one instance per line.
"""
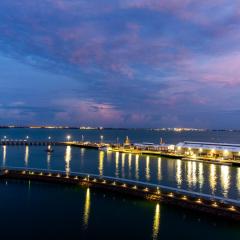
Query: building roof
x=210 y=146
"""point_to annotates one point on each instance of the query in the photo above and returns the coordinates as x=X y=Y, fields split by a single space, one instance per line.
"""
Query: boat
x=105 y=148
x=49 y=149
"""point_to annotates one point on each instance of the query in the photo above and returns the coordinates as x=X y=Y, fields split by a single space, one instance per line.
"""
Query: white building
x=154 y=147
x=218 y=150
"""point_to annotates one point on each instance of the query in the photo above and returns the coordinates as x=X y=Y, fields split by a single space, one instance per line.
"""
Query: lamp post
x=101 y=138
x=68 y=138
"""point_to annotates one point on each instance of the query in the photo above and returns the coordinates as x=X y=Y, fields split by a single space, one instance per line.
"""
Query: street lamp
x=68 y=137
x=101 y=137
x=27 y=137
x=49 y=138
x=82 y=138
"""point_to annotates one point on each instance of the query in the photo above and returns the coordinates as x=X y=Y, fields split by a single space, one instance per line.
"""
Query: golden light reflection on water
x=179 y=173
x=100 y=162
x=147 y=170
x=123 y=165
x=189 y=173
x=129 y=164
x=159 y=169
x=68 y=157
x=238 y=180
x=26 y=157
x=156 y=222
x=225 y=180
x=117 y=165
x=213 y=178
x=200 y=176
x=137 y=167
x=109 y=156
x=194 y=173
x=86 y=212
x=4 y=154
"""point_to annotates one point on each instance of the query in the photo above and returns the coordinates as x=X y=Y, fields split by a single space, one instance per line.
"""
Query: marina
x=189 y=188
x=219 y=153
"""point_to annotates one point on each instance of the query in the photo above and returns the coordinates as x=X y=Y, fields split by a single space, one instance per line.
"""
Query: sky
x=120 y=63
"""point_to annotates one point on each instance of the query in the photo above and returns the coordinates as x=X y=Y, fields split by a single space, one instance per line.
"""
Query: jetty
x=215 y=205
x=24 y=142
x=217 y=153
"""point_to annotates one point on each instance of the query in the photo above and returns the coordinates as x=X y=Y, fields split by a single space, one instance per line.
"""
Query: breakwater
x=206 y=203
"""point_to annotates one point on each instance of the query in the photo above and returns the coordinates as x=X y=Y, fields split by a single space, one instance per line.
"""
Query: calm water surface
x=75 y=212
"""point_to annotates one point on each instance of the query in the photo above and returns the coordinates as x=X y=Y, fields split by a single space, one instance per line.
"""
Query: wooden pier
x=218 y=206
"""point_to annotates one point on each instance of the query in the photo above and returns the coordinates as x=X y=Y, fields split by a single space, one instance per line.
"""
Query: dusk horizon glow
x=128 y=63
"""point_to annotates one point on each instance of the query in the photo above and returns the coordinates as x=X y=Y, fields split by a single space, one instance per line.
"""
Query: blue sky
x=128 y=63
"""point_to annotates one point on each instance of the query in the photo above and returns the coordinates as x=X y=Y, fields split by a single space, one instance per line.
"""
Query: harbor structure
x=209 y=150
x=154 y=147
x=206 y=203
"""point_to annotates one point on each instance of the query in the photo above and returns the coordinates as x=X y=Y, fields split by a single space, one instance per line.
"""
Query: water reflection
x=100 y=164
x=123 y=165
x=213 y=178
x=129 y=164
x=109 y=156
x=48 y=161
x=82 y=154
x=200 y=176
x=68 y=157
x=156 y=222
x=159 y=169
x=179 y=173
x=225 y=180
x=189 y=173
x=4 y=154
x=26 y=157
x=147 y=168
x=194 y=173
x=137 y=167
x=238 y=180
x=86 y=212
x=117 y=165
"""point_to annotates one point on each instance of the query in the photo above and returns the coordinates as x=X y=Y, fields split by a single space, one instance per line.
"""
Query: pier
x=161 y=150
x=24 y=142
x=224 y=207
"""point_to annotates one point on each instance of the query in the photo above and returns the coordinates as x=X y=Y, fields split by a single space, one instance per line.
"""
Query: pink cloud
x=88 y=111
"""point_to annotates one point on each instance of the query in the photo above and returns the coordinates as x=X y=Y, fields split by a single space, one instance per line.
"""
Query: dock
x=120 y=148
x=210 y=204
x=24 y=142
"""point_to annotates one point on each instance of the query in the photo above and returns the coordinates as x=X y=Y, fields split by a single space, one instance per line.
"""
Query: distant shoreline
x=125 y=129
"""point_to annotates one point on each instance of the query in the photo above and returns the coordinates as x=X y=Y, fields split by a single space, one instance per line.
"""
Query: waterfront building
x=154 y=147
x=209 y=149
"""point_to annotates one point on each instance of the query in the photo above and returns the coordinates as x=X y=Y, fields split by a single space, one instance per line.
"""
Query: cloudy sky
x=120 y=63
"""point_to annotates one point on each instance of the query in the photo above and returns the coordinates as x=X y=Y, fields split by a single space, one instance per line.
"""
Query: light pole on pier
x=101 y=138
x=68 y=137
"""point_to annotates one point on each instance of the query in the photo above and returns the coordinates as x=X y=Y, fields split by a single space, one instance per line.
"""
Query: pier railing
x=127 y=183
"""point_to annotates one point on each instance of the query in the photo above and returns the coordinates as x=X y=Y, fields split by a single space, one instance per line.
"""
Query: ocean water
x=58 y=211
